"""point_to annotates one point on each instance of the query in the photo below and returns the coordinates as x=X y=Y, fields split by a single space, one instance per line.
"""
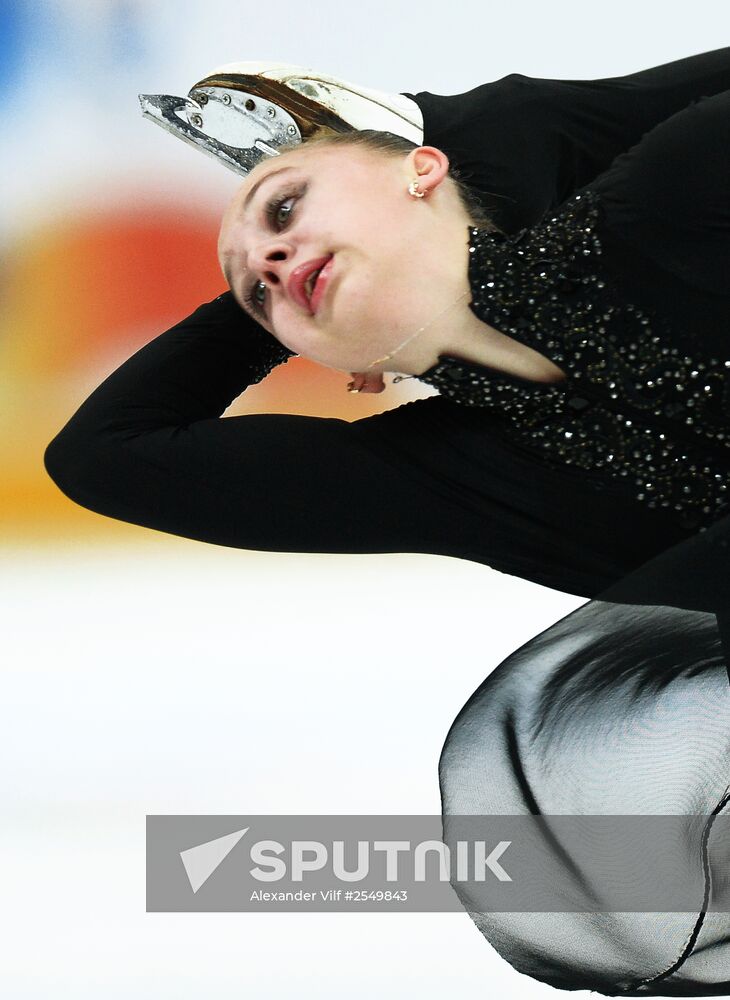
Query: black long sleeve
x=528 y=143
x=149 y=447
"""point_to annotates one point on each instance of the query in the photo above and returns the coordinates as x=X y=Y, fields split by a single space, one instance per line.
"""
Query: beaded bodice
x=635 y=409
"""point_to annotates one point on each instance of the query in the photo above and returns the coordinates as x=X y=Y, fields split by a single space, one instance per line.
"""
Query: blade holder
x=237 y=128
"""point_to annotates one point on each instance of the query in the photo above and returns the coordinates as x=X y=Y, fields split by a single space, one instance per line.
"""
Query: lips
x=298 y=281
x=321 y=285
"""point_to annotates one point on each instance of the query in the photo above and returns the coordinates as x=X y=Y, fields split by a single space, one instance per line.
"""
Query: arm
x=527 y=144
x=149 y=447
x=604 y=118
x=668 y=198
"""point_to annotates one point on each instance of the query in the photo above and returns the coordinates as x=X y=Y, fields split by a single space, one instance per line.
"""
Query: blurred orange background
x=109 y=230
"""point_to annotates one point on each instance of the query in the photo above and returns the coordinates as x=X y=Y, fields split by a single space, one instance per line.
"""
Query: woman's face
x=348 y=208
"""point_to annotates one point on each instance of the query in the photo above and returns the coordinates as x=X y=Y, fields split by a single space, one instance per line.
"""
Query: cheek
x=315 y=345
x=294 y=333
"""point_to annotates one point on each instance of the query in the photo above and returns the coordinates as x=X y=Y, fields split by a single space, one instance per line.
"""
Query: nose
x=270 y=260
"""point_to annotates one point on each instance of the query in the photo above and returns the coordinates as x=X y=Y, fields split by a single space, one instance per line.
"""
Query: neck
x=478 y=342
x=413 y=336
x=455 y=331
x=452 y=327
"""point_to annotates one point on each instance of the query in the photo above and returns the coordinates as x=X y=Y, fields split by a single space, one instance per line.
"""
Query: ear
x=428 y=165
x=366 y=382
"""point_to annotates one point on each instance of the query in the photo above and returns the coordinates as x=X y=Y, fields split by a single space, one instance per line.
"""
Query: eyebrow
x=257 y=185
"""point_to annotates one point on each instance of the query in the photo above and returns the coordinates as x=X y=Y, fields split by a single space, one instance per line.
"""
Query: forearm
x=150 y=447
x=604 y=118
x=190 y=373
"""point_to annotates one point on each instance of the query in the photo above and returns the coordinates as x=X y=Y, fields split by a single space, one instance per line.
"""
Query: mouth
x=307 y=282
x=310 y=283
x=319 y=286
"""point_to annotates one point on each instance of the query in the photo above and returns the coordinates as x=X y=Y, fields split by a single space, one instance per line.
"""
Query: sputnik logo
x=202 y=860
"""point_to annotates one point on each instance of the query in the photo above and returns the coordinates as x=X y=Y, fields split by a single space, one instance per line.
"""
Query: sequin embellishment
x=634 y=409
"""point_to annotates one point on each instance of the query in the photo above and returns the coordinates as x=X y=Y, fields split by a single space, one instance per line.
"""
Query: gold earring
x=414 y=192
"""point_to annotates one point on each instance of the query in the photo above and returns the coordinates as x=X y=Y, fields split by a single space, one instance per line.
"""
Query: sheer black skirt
x=621 y=708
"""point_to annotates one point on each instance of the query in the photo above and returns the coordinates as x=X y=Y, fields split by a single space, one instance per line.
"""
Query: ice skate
x=243 y=112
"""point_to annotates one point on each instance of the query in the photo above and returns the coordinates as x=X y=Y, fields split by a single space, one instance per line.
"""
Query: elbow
x=66 y=463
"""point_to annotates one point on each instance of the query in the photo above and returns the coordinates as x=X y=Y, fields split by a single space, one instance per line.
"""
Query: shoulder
x=670 y=172
x=528 y=93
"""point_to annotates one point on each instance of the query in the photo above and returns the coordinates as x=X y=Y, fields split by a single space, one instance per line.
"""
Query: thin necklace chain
x=443 y=312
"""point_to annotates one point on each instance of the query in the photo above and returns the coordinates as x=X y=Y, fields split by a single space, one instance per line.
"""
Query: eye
x=255 y=299
x=279 y=210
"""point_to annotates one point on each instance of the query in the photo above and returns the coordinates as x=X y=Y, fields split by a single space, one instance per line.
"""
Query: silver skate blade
x=235 y=128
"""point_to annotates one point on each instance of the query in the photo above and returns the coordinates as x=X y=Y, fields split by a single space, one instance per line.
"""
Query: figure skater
x=553 y=257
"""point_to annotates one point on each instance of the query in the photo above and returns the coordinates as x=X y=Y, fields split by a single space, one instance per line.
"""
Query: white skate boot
x=242 y=113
